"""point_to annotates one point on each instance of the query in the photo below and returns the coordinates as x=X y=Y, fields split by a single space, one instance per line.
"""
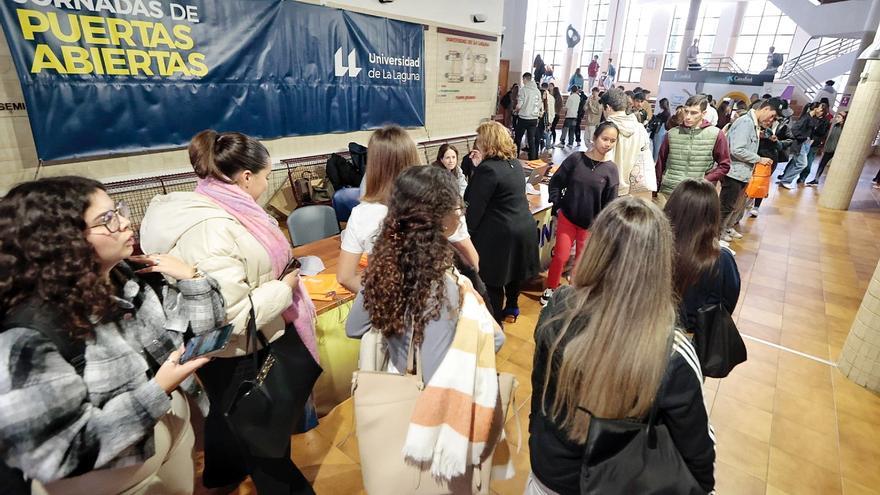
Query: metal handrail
x=820 y=54
x=719 y=63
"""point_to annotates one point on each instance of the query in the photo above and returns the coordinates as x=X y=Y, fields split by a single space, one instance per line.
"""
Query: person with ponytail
x=389 y=152
x=221 y=229
x=90 y=345
x=607 y=346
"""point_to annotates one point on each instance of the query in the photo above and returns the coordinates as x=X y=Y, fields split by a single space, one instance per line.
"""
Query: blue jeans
x=793 y=171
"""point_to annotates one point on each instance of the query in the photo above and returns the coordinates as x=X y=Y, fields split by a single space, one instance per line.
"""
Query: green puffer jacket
x=691 y=154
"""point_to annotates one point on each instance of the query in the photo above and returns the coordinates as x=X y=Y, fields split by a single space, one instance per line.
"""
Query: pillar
x=862 y=125
x=871 y=26
x=860 y=358
x=688 y=39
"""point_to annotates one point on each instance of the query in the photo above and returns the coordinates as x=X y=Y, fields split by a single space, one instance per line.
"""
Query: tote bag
x=383 y=405
x=267 y=408
x=717 y=341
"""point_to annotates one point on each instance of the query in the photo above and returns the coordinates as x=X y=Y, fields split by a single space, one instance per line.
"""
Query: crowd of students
x=92 y=390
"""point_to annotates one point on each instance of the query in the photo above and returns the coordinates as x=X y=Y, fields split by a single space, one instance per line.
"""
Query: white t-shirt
x=365 y=222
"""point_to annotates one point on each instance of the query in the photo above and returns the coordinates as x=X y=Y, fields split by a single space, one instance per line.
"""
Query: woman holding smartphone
x=89 y=390
x=221 y=229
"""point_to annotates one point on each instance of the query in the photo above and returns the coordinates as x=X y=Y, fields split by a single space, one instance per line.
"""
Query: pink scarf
x=236 y=202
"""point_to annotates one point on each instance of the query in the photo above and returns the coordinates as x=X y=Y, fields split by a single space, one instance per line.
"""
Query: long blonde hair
x=389 y=152
x=620 y=319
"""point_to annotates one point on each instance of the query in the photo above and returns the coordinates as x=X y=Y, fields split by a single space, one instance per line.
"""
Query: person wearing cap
x=744 y=137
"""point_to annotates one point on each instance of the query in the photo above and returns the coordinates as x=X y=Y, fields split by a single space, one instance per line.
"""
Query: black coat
x=501 y=226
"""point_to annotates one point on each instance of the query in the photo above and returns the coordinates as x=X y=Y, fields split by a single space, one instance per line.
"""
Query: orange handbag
x=759 y=184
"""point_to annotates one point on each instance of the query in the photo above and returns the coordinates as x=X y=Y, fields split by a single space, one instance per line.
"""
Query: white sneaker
x=725 y=237
x=726 y=246
x=733 y=233
x=787 y=185
x=753 y=213
x=545 y=297
x=560 y=145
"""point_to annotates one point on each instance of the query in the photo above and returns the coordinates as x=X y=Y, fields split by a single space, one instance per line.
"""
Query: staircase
x=721 y=64
x=800 y=70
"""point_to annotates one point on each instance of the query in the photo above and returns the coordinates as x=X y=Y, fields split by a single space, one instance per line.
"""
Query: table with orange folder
x=338 y=353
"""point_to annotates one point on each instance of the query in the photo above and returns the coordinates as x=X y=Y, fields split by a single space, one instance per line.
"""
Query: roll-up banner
x=105 y=77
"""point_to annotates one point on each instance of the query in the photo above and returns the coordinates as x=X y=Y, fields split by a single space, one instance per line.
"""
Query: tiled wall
x=18 y=159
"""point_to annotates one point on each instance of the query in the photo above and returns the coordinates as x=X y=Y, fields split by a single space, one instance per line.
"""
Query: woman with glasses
x=90 y=385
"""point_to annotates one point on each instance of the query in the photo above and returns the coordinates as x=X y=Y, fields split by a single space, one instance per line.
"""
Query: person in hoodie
x=576 y=79
x=529 y=107
x=222 y=231
x=830 y=146
x=593 y=112
x=695 y=149
x=633 y=140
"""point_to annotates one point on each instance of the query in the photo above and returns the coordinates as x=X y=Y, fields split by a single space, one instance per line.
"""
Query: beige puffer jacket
x=193 y=228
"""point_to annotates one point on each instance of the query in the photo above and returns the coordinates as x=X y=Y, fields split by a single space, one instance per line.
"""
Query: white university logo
x=352 y=69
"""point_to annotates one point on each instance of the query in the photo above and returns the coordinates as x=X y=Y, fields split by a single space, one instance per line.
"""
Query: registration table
x=338 y=353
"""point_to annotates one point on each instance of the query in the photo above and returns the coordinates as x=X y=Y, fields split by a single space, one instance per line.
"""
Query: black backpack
x=36 y=317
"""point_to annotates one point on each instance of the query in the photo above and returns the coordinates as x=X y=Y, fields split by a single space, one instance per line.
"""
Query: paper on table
x=310 y=265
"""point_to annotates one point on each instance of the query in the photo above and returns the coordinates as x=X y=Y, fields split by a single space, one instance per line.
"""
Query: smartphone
x=207 y=343
x=292 y=265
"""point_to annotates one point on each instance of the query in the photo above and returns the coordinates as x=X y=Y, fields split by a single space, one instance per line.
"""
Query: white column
x=571 y=61
x=689 y=28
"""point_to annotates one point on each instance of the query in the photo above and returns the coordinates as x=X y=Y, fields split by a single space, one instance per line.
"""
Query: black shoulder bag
x=266 y=409
x=631 y=456
x=717 y=341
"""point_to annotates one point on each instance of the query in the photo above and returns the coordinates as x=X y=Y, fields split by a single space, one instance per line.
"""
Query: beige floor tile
x=747 y=390
x=859 y=463
x=757 y=315
x=801 y=441
x=757 y=330
x=731 y=414
x=816 y=390
x=796 y=476
x=857 y=431
x=814 y=346
x=853 y=488
x=742 y=452
x=777 y=295
x=805 y=412
x=729 y=479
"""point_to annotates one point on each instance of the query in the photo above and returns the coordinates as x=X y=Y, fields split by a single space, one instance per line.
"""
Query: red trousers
x=566 y=233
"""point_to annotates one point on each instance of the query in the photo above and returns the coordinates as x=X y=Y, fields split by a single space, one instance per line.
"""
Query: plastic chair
x=344 y=200
x=312 y=223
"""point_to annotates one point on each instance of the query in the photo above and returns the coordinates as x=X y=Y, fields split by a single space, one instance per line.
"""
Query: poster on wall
x=678 y=86
x=125 y=76
x=463 y=69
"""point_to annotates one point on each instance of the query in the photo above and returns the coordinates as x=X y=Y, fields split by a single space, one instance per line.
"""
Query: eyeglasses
x=111 y=219
x=461 y=210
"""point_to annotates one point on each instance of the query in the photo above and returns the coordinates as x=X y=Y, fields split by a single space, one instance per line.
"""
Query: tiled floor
x=785 y=424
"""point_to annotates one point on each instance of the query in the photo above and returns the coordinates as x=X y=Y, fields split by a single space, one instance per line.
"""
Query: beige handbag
x=383 y=405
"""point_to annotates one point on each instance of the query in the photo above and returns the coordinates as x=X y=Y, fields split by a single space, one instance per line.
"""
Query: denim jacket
x=743 y=139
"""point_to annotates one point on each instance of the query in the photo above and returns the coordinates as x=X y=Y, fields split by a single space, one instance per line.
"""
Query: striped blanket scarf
x=457 y=420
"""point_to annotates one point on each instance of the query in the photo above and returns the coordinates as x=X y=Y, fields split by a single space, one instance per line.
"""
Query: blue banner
x=104 y=77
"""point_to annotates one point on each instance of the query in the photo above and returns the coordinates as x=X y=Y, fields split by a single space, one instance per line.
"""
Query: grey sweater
x=438 y=333
x=50 y=416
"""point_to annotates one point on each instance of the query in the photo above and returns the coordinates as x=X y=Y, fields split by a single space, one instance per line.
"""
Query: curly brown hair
x=44 y=253
x=403 y=283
